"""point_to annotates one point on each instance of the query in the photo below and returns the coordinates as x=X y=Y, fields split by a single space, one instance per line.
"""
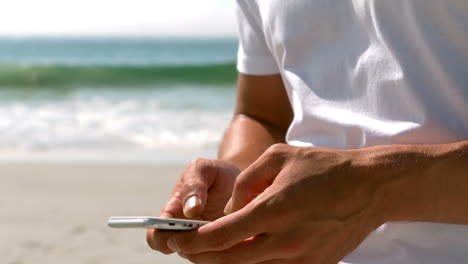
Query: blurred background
x=102 y=103
x=115 y=80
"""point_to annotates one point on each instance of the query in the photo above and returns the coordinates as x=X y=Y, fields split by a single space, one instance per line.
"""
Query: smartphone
x=154 y=222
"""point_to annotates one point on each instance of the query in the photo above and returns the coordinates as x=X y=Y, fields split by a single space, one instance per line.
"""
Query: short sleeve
x=254 y=56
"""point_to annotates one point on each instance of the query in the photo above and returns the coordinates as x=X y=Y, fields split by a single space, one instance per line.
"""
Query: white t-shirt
x=360 y=73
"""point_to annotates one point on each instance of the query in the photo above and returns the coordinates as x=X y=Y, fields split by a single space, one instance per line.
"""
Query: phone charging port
x=172 y=224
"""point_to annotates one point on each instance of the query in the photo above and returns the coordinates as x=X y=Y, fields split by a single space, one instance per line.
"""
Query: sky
x=118 y=17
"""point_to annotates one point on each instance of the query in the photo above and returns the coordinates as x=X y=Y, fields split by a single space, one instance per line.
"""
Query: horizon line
x=116 y=34
x=120 y=36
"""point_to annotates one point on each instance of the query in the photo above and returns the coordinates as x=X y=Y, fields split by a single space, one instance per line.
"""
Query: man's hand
x=261 y=118
x=202 y=193
x=315 y=205
x=293 y=205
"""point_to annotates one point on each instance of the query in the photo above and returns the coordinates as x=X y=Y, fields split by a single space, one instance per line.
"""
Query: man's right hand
x=261 y=119
x=201 y=193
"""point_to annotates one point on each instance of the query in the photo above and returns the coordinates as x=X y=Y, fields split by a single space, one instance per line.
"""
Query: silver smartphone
x=154 y=222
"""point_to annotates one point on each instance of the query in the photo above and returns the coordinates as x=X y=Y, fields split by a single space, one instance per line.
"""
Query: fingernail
x=191 y=203
x=172 y=244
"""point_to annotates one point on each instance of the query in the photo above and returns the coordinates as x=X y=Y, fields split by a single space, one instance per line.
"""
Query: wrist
x=419 y=182
x=398 y=171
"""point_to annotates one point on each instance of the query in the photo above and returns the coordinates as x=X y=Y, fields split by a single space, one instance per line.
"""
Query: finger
x=197 y=179
x=187 y=200
x=253 y=181
x=157 y=240
x=255 y=250
x=173 y=208
x=221 y=234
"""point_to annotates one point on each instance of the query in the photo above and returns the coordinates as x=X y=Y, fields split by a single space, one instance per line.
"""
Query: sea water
x=114 y=99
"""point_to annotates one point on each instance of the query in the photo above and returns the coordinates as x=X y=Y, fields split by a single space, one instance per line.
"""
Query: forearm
x=427 y=183
x=247 y=138
x=262 y=117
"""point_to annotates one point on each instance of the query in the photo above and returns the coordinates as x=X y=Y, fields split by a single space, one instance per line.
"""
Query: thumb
x=196 y=181
x=185 y=202
x=193 y=197
x=193 y=206
x=251 y=183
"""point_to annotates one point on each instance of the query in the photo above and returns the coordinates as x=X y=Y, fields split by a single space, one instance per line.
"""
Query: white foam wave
x=129 y=122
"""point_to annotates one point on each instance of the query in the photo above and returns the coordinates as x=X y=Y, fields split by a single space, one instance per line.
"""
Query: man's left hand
x=293 y=205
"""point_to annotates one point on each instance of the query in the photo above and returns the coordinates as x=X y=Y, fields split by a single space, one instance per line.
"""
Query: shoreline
x=173 y=157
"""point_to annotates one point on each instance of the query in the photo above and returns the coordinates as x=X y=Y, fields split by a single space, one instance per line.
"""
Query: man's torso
x=371 y=72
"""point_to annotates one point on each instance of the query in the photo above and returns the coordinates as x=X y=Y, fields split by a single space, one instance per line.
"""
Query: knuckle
x=242 y=183
x=191 y=185
x=198 y=163
x=276 y=149
x=201 y=165
x=195 y=173
x=194 y=165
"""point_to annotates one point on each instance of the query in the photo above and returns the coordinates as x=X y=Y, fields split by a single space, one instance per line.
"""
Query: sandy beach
x=100 y=126
x=57 y=213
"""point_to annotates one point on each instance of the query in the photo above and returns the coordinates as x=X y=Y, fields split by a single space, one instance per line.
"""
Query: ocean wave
x=184 y=121
x=18 y=76
x=100 y=123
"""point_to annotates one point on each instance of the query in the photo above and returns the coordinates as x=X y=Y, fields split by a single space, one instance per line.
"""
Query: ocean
x=114 y=99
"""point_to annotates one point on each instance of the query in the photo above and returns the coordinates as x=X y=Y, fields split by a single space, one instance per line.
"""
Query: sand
x=57 y=213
